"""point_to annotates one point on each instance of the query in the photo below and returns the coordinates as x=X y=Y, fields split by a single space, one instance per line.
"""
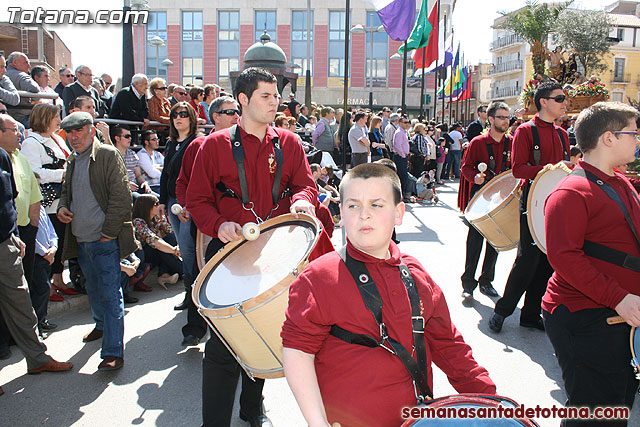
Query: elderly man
x=131 y=102
x=179 y=94
x=96 y=206
x=8 y=92
x=66 y=78
x=87 y=104
x=40 y=74
x=390 y=130
x=15 y=303
x=81 y=87
x=18 y=67
x=107 y=80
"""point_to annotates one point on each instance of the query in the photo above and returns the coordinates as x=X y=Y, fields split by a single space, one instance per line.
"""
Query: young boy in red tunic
x=357 y=385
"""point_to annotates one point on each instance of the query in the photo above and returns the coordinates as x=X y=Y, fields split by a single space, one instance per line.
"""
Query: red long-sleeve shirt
x=186 y=168
x=477 y=152
x=551 y=151
x=364 y=386
x=214 y=164
x=577 y=210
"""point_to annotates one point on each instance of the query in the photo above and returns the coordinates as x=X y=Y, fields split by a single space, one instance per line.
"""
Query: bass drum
x=202 y=241
x=546 y=180
x=243 y=291
x=494 y=211
x=446 y=411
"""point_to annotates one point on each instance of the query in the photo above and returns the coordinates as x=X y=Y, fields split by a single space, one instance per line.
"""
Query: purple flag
x=397 y=16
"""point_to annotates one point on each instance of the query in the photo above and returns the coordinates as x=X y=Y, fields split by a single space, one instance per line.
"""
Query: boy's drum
x=494 y=211
x=546 y=180
x=202 y=241
x=242 y=292
x=484 y=407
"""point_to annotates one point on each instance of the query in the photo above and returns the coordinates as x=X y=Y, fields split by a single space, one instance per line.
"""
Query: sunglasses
x=558 y=98
x=156 y=203
x=161 y=88
x=181 y=93
x=67 y=75
x=228 y=112
x=503 y=117
x=629 y=132
x=127 y=136
x=181 y=114
x=406 y=123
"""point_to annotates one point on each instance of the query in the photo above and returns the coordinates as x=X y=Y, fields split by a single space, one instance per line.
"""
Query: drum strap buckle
x=418 y=324
x=419 y=397
x=383 y=339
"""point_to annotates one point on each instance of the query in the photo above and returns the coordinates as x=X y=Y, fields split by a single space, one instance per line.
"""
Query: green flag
x=419 y=37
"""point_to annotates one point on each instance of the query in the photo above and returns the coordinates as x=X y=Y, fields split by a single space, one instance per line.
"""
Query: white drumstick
x=482 y=167
x=250 y=231
x=176 y=209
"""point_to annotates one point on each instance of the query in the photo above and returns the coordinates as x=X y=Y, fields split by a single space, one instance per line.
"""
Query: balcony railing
x=505 y=41
x=506 y=67
x=622 y=78
x=505 y=92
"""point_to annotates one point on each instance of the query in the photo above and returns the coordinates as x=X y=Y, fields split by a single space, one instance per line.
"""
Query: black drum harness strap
x=536 y=143
x=373 y=302
x=605 y=253
x=238 y=157
x=492 y=159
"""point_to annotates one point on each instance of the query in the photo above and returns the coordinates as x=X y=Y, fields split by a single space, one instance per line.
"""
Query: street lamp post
x=359 y=29
x=128 y=68
x=404 y=75
x=157 y=42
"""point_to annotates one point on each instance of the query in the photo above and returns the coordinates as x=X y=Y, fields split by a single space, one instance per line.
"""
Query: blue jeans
x=186 y=243
x=456 y=156
x=401 y=166
x=100 y=263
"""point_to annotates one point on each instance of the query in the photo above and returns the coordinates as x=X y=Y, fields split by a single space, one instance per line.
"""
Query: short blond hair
x=419 y=127
x=156 y=83
x=41 y=117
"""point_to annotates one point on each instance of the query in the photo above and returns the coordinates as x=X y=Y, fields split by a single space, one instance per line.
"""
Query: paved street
x=160 y=382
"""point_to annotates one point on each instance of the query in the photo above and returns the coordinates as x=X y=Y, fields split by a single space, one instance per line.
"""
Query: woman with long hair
x=378 y=148
x=182 y=130
x=47 y=154
x=157 y=239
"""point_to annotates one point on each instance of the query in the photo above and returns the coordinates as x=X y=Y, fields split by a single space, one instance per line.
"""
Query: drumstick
x=176 y=209
x=615 y=320
x=482 y=167
x=250 y=231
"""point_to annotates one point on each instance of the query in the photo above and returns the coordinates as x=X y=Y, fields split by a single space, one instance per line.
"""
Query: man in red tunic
x=591 y=221
x=494 y=150
x=214 y=201
x=536 y=143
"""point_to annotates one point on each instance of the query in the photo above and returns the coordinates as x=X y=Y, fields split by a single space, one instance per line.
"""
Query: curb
x=70 y=303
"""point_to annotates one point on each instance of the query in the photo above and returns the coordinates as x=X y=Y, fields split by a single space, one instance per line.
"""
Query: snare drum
x=494 y=211
x=242 y=292
x=546 y=180
x=478 y=404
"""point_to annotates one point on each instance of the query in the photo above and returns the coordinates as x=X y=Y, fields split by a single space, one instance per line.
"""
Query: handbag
x=51 y=190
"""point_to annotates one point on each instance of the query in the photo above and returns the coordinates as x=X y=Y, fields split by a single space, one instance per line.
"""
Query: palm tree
x=534 y=22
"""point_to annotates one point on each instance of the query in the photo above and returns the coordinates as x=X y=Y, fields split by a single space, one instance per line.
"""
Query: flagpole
x=404 y=78
x=345 y=129
x=435 y=74
x=468 y=98
x=444 y=66
x=424 y=57
x=458 y=95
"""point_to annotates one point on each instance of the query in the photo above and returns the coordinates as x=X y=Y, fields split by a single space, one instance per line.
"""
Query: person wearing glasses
x=179 y=94
x=66 y=77
x=81 y=87
x=493 y=149
x=535 y=144
x=159 y=105
x=131 y=102
x=401 y=153
x=588 y=285
x=150 y=160
x=121 y=137
x=476 y=127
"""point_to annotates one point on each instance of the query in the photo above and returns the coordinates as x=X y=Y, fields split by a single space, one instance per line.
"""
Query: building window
x=618 y=69
x=266 y=21
x=617 y=96
x=299 y=41
x=192 y=47
x=336 y=43
x=376 y=65
x=228 y=45
x=620 y=34
x=156 y=26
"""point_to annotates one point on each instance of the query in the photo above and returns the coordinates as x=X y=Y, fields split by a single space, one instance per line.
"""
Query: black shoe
x=47 y=326
x=5 y=352
x=533 y=324
x=128 y=299
x=190 y=341
x=184 y=304
x=496 y=321
x=489 y=290
x=466 y=294
x=260 y=421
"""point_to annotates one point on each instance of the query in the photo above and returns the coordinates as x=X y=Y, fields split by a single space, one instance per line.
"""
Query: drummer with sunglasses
x=214 y=199
x=535 y=144
x=593 y=216
x=492 y=148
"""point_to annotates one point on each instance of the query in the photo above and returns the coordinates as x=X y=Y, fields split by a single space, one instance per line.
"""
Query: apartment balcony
x=506 y=67
x=622 y=78
x=502 y=42
x=505 y=92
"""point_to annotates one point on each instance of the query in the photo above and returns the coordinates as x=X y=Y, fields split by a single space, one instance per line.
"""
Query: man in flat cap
x=96 y=205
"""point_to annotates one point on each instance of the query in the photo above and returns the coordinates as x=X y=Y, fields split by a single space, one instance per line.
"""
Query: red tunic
x=576 y=211
x=475 y=154
x=186 y=168
x=364 y=386
x=214 y=164
x=550 y=148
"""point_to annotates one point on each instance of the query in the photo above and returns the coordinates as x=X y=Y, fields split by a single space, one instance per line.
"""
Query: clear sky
x=100 y=46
